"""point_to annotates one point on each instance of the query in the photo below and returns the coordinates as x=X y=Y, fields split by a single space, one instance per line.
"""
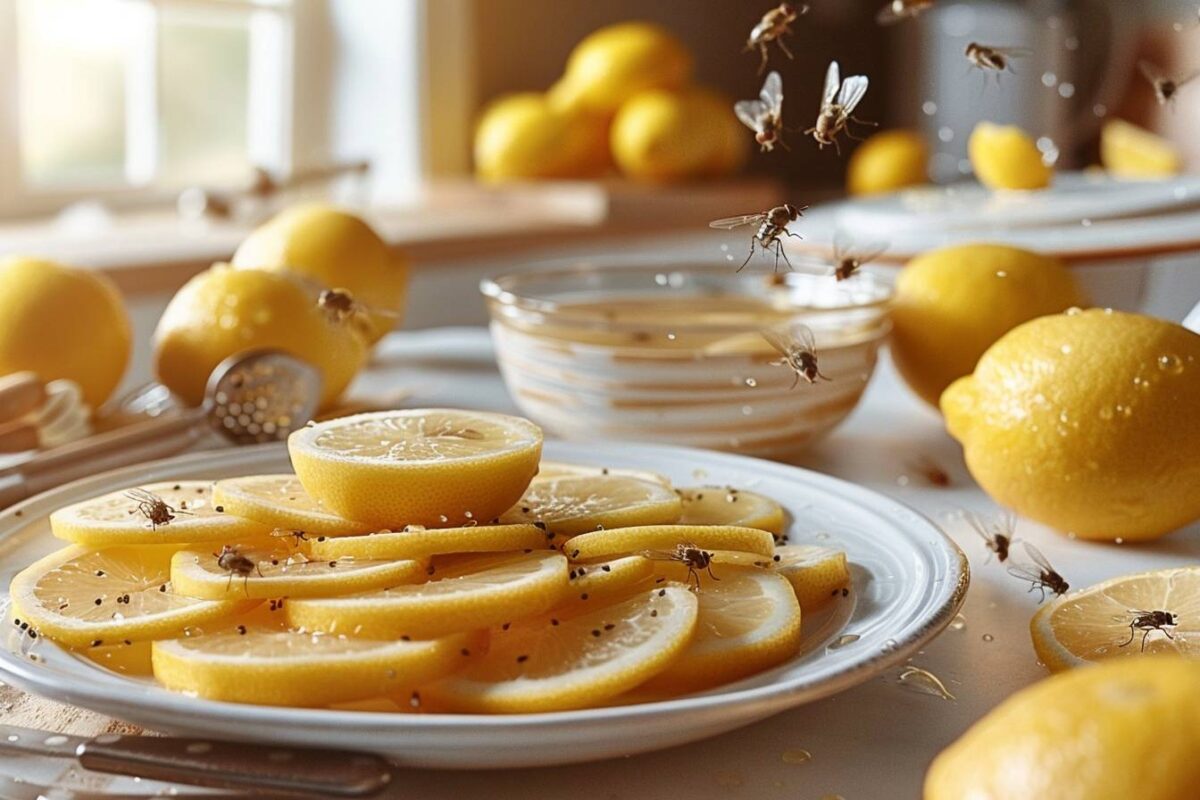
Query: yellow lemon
x=724 y=505
x=616 y=62
x=953 y=303
x=1004 y=157
x=1119 y=730
x=337 y=250
x=663 y=136
x=888 y=161
x=1086 y=421
x=1128 y=151
x=63 y=323
x=224 y=311
x=523 y=136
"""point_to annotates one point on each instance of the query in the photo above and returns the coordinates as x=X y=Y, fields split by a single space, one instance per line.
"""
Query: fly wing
x=851 y=94
x=1014 y=52
x=976 y=524
x=833 y=79
x=734 y=222
x=801 y=335
x=1186 y=79
x=1152 y=73
x=750 y=112
x=1037 y=557
x=772 y=92
x=776 y=339
x=1025 y=572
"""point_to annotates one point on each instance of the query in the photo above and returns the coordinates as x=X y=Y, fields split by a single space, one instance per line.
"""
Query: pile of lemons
x=626 y=99
x=427 y=560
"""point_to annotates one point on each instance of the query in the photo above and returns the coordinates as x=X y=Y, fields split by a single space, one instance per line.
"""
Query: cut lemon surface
x=259 y=572
x=715 y=505
x=469 y=593
x=660 y=540
x=749 y=621
x=258 y=661
x=431 y=467
x=573 y=505
x=601 y=582
x=180 y=512
x=425 y=542
x=550 y=663
x=280 y=501
x=1150 y=612
x=561 y=469
x=88 y=598
x=817 y=574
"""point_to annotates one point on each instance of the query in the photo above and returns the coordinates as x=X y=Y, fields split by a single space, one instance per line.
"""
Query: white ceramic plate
x=909 y=580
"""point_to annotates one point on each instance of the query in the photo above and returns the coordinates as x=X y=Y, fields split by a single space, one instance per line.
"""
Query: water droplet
x=987 y=637
x=946 y=133
x=724 y=248
x=1171 y=364
x=1049 y=79
x=1085 y=222
x=1119 y=540
x=843 y=640
x=796 y=756
x=1073 y=311
x=1065 y=349
x=1100 y=110
x=923 y=681
x=660 y=279
x=958 y=623
x=1048 y=149
x=1001 y=273
x=751 y=382
x=929 y=107
x=1066 y=90
x=889 y=645
x=670 y=336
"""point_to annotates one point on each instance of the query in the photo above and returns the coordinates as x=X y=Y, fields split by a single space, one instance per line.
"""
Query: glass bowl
x=675 y=353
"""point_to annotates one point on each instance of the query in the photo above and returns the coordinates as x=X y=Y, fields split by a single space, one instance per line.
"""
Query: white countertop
x=874 y=741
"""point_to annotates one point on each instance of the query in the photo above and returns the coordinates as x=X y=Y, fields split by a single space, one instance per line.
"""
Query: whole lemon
x=1087 y=422
x=888 y=161
x=337 y=250
x=664 y=136
x=62 y=322
x=224 y=311
x=523 y=136
x=1119 y=730
x=954 y=302
x=1004 y=157
x=616 y=62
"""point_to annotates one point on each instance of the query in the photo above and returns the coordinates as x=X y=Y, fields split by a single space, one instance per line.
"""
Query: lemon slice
x=603 y=582
x=1150 y=612
x=279 y=501
x=548 y=663
x=574 y=505
x=257 y=661
x=474 y=592
x=662 y=541
x=264 y=571
x=714 y=505
x=817 y=574
x=749 y=621
x=425 y=542
x=431 y=467
x=1128 y=151
x=180 y=512
x=86 y=598
x=561 y=469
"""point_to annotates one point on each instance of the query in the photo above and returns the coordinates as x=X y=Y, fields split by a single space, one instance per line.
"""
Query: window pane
x=71 y=90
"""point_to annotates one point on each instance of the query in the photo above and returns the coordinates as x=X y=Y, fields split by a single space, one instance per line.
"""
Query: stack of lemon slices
x=429 y=559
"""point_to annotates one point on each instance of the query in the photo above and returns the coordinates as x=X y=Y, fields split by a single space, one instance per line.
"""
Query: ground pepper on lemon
x=954 y=302
x=1087 y=422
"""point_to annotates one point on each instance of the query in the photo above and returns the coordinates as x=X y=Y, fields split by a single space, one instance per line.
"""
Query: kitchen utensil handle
x=227 y=765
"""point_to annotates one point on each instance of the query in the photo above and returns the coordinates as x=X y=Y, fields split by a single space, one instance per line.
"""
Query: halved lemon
x=249 y=660
x=425 y=542
x=280 y=501
x=172 y=512
x=277 y=571
x=1150 y=612
x=431 y=467
x=468 y=593
x=605 y=581
x=664 y=539
x=561 y=469
x=716 y=505
x=817 y=574
x=89 y=598
x=552 y=663
x=749 y=621
x=1128 y=151
x=573 y=505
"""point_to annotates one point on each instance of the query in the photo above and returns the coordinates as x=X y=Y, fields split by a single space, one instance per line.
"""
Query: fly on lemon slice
x=749 y=621
x=551 y=663
x=715 y=505
x=661 y=541
x=425 y=542
x=279 y=501
x=561 y=469
x=88 y=598
x=258 y=661
x=179 y=512
x=606 y=581
x=431 y=467
x=1150 y=612
x=817 y=574
x=572 y=505
x=260 y=572
x=469 y=593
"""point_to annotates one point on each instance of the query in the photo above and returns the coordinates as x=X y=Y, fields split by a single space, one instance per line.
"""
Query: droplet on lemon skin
x=617 y=62
x=1128 y=464
x=1123 y=729
x=886 y=162
x=954 y=302
x=63 y=322
x=525 y=136
x=1005 y=157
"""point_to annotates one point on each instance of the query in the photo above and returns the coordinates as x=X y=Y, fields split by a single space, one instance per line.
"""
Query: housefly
x=153 y=507
x=764 y=116
x=1149 y=621
x=1165 y=87
x=838 y=102
x=998 y=533
x=848 y=259
x=695 y=559
x=798 y=347
x=772 y=224
x=772 y=28
x=900 y=10
x=1040 y=574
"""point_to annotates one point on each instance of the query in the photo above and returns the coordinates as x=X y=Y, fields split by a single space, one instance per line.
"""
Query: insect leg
x=784 y=47
x=762 y=65
x=779 y=251
x=1144 y=635
x=710 y=572
x=1131 y=635
x=1167 y=633
x=747 y=261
